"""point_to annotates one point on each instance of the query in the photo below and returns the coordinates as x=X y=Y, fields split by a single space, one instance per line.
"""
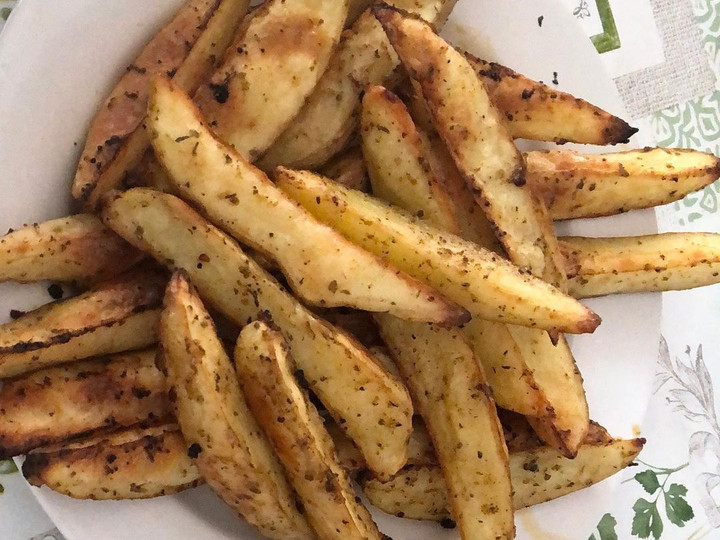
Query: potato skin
x=61 y=403
x=131 y=464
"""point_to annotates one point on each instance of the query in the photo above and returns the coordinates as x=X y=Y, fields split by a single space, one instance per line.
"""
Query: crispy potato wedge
x=348 y=168
x=329 y=116
x=397 y=160
x=60 y=403
x=576 y=185
x=222 y=435
x=116 y=316
x=66 y=249
x=403 y=172
x=476 y=136
x=216 y=35
x=372 y=406
x=124 y=109
x=661 y=262
x=478 y=280
x=241 y=200
x=534 y=110
x=136 y=463
x=296 y=432
x=269 y=72
x=540 y=475
x=451 y=394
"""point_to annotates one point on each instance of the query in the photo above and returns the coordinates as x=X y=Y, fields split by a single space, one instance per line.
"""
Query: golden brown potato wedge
x=118 y=315
x=372 y=407
x=662 y=262
x=576 y=185
x=270 y=70
x=478 y=280
x=66 y=249
x=348 y=168
x=329 y=116
x=57 y=404
x=451 y=394
x=403 y=169
x=540 y=475
x=241 y=200
x=296 y=432
x=217 y=34
x=124 y=109
x=222 y=435
x=136 y=463
x=397 y=158
x=534 y=110
x=476 y=136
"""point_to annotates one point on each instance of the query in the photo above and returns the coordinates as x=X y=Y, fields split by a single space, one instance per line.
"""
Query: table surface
x=664 y=56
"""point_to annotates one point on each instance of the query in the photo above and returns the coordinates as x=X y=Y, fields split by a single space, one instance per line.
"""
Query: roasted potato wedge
x=540 y=475
x=60 y=403
x=450 y=391
x=661 y=262
x=216 y=35
x=534 y=110
x=124 y=109
x=116 y=316
x=372 y=407
x=270 y=70
x=403 y=172
x=329 y=116
x=222 y=435
x=478 y=280
x=476 y=136
x=241 y=200
x=296 y=432
x=348 y=168
x=576 y=185
x=136 y=463
x=73 y=248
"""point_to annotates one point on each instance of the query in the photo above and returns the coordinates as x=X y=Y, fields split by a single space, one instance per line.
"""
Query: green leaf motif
x=7 y=466
x=605 y=529
x=648 y=480
x=647 y=520
x=677 y=508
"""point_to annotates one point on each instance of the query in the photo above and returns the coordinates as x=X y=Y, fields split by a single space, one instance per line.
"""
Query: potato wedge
x=348 y=168
x=136 y=463
x=451 y=394
x=329 y=116
x=536 y=111
x=241 y=200
x=270 y=70
x=403 y=172
x=216 y=35
x=540 y=475
x=476 y=136
x=60 y=403
x=124 y=109
x=222 y=435
x=397 y=160
x=296 y=432
x=115 y=316
x=66 y=249
x=478 y=280
x=372 y=407
x=577 y=185
x=661 y=262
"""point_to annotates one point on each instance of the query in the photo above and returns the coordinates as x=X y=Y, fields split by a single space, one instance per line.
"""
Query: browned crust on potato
x=62 y=403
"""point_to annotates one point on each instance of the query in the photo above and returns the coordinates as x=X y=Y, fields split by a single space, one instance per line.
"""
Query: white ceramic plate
x=58 y=59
